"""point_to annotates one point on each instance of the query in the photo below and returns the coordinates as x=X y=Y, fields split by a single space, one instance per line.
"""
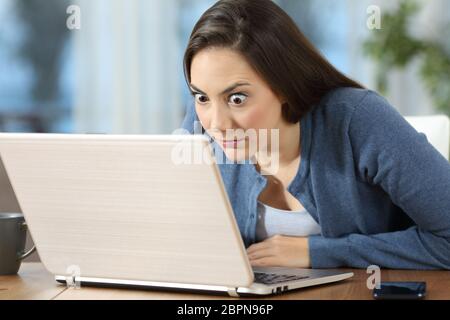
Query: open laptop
x=124 y=211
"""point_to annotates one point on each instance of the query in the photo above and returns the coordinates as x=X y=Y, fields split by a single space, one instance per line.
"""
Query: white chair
x=437 y=130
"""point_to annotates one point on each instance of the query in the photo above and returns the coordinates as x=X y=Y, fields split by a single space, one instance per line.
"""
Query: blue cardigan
x=379 y=190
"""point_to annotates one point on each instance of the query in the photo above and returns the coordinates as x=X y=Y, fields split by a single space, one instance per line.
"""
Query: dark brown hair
x=273 y=45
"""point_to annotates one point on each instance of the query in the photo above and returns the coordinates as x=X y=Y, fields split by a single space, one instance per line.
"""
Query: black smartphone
x=400 y=290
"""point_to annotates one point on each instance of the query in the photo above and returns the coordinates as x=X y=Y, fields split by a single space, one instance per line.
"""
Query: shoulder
x=348 y=99
x=357 y=118
x=191 y=122
x=355 y=105
x=367 y=120
x=348 y=96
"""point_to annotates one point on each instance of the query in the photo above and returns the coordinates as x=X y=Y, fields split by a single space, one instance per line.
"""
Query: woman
x=356 y=185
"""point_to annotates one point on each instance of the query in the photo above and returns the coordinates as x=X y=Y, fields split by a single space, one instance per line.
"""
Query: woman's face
x=229 y=94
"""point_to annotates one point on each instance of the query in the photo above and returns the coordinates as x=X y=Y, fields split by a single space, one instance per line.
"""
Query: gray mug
x=13 y=235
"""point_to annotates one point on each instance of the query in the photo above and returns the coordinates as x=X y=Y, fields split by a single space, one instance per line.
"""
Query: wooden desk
x=34 y=282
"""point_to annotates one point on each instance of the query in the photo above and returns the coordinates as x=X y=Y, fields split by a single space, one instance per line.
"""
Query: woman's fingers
x=263 y=262
x=261 y=253
x=268 y=243
x=258 y=246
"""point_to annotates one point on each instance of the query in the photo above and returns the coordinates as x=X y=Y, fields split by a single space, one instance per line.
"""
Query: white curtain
x=128 y=67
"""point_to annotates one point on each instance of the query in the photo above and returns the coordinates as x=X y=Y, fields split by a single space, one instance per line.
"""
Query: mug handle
x=22 y=255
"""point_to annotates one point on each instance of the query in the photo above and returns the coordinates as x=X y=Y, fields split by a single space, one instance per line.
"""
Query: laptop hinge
x=232 y=292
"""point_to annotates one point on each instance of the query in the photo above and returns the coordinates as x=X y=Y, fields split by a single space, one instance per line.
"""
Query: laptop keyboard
x=273 y=278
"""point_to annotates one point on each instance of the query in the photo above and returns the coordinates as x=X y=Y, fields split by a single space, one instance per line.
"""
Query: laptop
x=137 y=211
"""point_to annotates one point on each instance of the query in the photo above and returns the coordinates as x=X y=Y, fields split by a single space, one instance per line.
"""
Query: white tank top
x=272 y=221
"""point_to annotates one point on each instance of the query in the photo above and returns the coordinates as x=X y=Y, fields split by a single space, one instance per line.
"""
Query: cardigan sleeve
x=390 y=153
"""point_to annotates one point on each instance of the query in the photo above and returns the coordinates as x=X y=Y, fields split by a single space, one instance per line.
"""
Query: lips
x=231 y=143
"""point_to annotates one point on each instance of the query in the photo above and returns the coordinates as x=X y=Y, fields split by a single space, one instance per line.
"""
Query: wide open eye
x=237 y=99
x=200 y=98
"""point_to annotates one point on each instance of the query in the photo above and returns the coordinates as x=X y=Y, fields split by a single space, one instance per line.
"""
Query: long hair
x=274 y=46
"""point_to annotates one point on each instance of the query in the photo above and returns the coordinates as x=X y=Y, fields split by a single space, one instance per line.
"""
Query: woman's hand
x=280 y=251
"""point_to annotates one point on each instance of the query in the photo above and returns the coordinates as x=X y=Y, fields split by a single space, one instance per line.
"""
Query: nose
x=220 y=119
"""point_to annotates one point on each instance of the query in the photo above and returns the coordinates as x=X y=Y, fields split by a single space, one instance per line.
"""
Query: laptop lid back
x=120 y=207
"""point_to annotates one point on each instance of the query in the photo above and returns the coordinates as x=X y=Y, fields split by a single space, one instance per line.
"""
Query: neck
x=288 y=149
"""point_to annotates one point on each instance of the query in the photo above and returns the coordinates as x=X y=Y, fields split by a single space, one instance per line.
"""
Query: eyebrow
x=227 y=90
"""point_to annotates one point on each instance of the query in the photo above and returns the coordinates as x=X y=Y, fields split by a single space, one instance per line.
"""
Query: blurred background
x=121 y=72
